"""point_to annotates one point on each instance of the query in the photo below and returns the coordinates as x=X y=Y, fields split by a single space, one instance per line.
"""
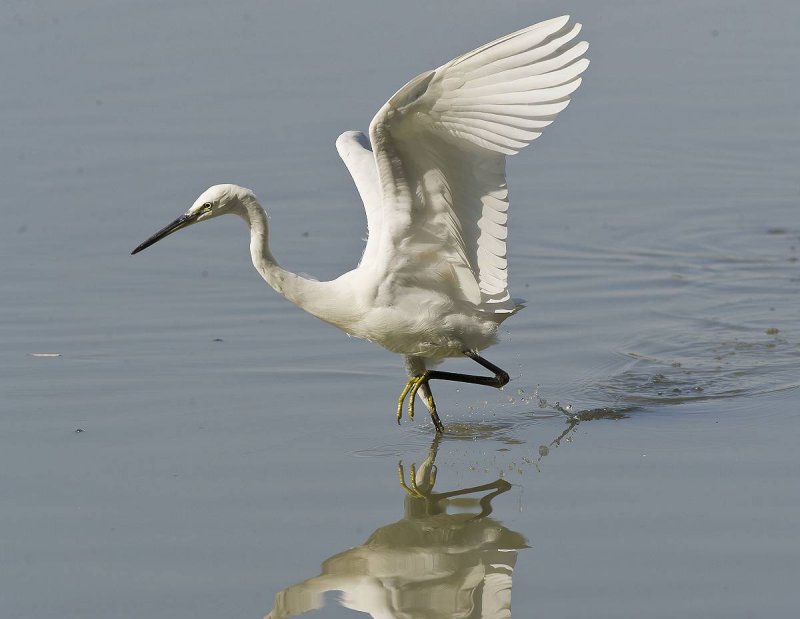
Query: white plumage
x=439 y=195
x=433 y=280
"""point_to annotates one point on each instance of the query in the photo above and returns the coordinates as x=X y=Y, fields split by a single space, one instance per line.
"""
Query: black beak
x=181 y=222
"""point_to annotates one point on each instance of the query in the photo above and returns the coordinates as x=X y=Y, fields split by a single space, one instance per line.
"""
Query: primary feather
x=433 y=182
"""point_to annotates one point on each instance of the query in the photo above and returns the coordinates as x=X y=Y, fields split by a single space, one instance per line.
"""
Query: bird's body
x=432 y=282
x=405 y=317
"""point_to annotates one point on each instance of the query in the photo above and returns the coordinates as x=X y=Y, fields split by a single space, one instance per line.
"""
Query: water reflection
x=429 y=563
x=446 y=557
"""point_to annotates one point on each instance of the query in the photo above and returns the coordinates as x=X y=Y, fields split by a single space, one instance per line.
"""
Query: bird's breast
x=418 y=330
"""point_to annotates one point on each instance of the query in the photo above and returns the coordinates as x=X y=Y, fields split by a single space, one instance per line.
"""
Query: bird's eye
x=207 y=206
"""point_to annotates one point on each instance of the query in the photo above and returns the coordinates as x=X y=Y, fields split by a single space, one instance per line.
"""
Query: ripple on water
x=725 y=327
x=693 y=367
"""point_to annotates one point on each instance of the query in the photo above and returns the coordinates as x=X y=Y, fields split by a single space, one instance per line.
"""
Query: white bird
x=432 y=282
x=443 y=558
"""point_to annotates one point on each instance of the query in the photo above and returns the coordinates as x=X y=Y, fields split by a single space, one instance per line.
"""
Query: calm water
x=238 y=458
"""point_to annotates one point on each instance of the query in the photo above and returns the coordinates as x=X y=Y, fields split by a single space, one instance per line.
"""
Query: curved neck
x=263 y=260
x=321 y=299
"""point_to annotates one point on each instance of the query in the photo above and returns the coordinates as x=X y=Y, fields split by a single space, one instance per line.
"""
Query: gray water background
x=231 y=444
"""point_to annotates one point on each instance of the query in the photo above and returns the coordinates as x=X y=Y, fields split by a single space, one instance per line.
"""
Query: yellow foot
x=413 y=489
x=410 y=390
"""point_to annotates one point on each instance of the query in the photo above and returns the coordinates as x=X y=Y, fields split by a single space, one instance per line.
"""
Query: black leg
x=428 y=397
x=499 y=380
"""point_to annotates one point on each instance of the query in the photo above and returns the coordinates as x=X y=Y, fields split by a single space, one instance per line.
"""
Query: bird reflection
x=430 y=563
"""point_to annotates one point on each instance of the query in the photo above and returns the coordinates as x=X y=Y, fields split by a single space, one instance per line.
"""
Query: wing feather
x=538 y=60
x=356 y=152
x=440 y=145
x=515 y=42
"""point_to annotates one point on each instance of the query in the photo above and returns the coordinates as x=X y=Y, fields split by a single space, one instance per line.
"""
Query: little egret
x=432 y=282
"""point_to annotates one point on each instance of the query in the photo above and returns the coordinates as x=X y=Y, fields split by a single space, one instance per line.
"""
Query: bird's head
x=213 y=202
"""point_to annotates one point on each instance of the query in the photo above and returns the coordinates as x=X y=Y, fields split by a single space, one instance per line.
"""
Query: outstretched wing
x=440 y=145
x=356 y=152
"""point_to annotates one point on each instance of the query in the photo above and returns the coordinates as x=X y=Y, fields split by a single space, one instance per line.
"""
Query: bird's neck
x=324 y=300
x=263 y=260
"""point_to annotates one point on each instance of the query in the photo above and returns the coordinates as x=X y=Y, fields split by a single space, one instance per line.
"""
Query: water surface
x=201 y=449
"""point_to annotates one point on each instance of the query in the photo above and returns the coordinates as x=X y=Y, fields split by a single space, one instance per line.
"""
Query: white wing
x=440 y=145
x=355 y=150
